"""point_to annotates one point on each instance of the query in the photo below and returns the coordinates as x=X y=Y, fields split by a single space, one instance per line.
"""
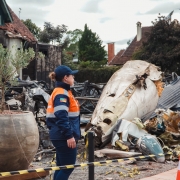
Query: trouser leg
x=64 y=156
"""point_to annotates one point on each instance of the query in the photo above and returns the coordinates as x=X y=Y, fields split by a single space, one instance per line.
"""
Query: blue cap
x=62 y=70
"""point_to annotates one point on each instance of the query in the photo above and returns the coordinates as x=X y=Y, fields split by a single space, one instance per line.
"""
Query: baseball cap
x=63 y=70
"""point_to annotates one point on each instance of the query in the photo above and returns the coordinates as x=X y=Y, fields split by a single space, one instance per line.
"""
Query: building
x=13 y=33
x=125 y=55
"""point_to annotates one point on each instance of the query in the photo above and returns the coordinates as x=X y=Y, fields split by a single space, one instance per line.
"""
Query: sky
x=112 y=20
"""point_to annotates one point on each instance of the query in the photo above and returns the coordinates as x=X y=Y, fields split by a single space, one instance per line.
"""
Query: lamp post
x=19 y=12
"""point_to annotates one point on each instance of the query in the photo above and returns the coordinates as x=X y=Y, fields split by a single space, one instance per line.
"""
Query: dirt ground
x=126 y=170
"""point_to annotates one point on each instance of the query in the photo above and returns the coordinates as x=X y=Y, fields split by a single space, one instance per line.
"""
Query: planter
x=19 y=140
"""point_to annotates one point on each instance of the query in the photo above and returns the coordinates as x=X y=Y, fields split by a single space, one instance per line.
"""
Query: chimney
x=139 y=31
x=110 y=51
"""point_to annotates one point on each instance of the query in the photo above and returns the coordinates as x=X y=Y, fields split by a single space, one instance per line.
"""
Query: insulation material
x=128 y=128
x=159 y=86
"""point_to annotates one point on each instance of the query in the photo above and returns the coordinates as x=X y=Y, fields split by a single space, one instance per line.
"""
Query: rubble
x=136 y=112
x=115 y=154
x=133 y=111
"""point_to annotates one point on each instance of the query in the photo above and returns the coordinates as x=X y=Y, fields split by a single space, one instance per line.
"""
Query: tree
x=163 y=46
x=74 y=37
x=10 y=65
x=90 y=46
x=35 y=30
x=129 y=42
x=53 y=34
x=71 y=50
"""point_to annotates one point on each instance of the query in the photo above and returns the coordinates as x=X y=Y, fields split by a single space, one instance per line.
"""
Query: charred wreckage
x=136 y=111
x=28 y=95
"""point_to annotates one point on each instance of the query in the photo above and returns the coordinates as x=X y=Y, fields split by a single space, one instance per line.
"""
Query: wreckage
x=31 y=96
x=131 y=93
x=133 y=110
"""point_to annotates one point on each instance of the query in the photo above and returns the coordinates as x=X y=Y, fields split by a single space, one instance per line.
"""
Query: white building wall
x=13 y=45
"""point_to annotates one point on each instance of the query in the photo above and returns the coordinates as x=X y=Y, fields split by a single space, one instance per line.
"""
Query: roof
x=114 y=61
x=17 y=29
x=122 y=58
x=169 y=98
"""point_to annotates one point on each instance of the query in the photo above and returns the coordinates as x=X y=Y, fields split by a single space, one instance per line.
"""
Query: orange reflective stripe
x=73 y=110
x=50 y=108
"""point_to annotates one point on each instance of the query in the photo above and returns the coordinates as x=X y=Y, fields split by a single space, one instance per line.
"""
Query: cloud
x=36 y=10
x=162 y=8
x=38 y=16
x=36 y=3
x=158 y=0
x=120 y=42
x=92 y=6
x=123 y=41
x=105 y=19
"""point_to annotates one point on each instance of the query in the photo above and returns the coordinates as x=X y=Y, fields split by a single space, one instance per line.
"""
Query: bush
x=96 y=75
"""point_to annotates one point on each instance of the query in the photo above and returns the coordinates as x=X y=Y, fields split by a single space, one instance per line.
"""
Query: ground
x=113 y=171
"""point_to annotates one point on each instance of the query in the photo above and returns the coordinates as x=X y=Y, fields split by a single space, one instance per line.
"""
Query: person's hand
x=71 y=143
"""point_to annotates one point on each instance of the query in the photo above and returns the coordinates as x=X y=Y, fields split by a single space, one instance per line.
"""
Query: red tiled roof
x=17 y=28
x=114 y=61
x=122 y=58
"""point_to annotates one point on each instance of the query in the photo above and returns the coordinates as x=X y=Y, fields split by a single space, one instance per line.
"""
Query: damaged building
x=14 y=33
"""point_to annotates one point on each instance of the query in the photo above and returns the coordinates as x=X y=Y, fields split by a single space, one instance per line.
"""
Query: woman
x=63 y=120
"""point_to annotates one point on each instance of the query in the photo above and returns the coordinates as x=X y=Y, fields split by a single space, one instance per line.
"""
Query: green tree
x=129 y=42
x=90 y=46
x=35 y=30
x=163 y=46
x=10 y=65
x=74 y=37
x=53 y=34
x=71 y=50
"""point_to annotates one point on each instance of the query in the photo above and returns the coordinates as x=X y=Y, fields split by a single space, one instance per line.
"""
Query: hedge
x=99 y=75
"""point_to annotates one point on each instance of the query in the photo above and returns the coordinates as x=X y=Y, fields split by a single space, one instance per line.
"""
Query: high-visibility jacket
x=63 y=114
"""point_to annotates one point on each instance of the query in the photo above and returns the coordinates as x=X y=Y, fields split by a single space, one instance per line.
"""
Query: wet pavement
x=168 y=175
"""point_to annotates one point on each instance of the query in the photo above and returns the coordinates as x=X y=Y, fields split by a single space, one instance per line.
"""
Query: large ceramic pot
x=19 y=140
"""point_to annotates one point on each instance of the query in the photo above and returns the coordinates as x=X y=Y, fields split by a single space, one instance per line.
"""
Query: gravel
x=112 y=171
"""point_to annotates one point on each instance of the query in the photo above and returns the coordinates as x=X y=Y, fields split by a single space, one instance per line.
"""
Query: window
x=0 y=19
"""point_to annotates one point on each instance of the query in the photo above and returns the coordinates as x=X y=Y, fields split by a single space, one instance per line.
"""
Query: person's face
x=69 y=79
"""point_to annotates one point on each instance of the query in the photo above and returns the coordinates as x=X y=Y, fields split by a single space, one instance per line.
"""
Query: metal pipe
x=91 y=154
x=87 y=98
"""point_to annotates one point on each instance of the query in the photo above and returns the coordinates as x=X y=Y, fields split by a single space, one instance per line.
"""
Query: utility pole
x=19 y=12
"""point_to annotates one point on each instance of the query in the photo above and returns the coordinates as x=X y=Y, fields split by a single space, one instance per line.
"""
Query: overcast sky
x=113 y=20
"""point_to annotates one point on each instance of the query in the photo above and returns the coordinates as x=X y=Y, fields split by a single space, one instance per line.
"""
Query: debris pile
x=138 y=112
x=33 y=96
